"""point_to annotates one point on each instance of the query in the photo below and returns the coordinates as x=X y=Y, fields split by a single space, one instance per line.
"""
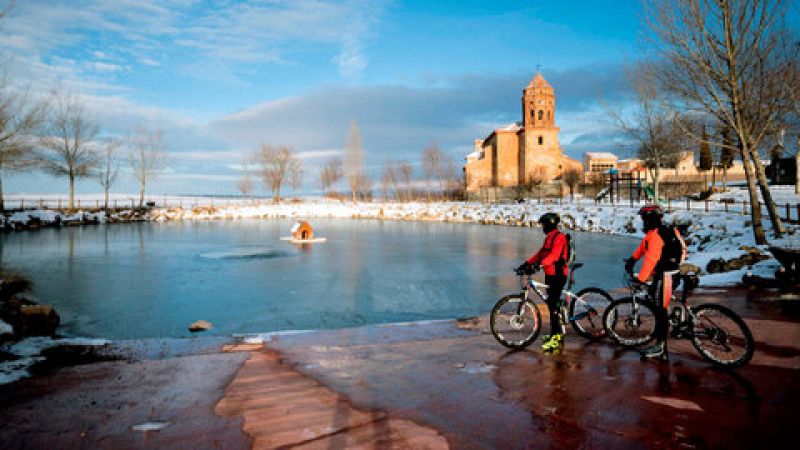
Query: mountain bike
x=718 y=333
x=516 y=320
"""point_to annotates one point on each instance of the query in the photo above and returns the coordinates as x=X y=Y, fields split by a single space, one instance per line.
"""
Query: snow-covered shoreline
x=712 y=235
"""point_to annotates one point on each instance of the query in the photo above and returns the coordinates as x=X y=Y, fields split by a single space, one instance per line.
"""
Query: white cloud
x=106 y=67
x=239 y=33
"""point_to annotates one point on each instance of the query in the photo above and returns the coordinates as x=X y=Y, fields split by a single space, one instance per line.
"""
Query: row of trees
x=56 y=136
x=726 y=65
x=276 y=165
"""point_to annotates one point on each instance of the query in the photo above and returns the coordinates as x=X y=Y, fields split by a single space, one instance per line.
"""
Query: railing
x=121 y=203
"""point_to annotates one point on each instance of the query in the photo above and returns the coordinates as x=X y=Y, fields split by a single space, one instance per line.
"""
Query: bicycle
x=718 y=333
x=516 y=321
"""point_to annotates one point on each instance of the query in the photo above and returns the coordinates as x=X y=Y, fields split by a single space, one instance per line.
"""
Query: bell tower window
x=541 y=114
x=541 y=139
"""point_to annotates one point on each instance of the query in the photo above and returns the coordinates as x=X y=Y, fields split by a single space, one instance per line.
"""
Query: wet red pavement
x=464 y=384
x=424 y=385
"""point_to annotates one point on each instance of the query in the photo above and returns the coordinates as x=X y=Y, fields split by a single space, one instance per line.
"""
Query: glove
x=629 y=263
x=524 y=269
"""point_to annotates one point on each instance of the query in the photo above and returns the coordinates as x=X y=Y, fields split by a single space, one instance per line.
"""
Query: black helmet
x=549 y=221
x=651 y=216
x=649 y=211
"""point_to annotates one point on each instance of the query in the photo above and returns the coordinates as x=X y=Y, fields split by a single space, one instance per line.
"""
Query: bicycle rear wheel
x=721 y=336
x=515 y=322
x=586 y=312
x=630 y=324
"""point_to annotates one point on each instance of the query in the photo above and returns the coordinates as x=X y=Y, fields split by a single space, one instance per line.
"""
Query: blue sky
x=221 y=77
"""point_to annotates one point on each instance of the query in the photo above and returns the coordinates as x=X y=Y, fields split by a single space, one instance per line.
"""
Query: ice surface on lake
x=246 y=253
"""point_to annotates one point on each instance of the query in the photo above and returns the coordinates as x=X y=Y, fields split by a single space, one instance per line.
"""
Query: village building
x=522 y=152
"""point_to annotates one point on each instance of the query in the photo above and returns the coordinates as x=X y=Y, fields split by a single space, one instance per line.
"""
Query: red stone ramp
x=285 y=409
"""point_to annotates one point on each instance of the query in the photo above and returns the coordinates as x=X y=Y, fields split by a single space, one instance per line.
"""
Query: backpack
x=568 y=256
x=672 y=252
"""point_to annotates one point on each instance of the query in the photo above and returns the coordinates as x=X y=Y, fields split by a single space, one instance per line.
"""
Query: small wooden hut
x=302 y=230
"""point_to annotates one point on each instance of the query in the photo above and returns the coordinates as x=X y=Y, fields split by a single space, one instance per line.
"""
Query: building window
x=548 y=115
x=541 y=139
x=541 y=114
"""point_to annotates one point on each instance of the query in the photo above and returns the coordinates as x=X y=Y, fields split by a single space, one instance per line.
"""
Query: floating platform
x=304 y=241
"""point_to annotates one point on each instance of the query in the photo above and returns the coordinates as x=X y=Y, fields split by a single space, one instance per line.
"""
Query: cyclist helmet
x=651 y=216
x=549 y=221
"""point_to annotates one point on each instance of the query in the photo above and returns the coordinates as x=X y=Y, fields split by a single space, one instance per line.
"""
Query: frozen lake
x=154 y=279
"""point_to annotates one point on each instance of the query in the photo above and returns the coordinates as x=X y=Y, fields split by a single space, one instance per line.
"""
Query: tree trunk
x=797 y=169
x=755 y=209
x=71 y=191
x=656 y=176
x=2 y=199
x=141 y=194
x=105 y=198
x=725 y=178
x=713 y=178
x=766 y=194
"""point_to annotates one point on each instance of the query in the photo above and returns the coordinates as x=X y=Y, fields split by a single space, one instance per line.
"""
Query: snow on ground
x=28 y=352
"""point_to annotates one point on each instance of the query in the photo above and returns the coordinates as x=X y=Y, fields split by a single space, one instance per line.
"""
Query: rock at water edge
x=200 y=325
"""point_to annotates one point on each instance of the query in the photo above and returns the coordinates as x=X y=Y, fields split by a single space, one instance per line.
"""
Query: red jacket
x=650 y=248
x=553 y=249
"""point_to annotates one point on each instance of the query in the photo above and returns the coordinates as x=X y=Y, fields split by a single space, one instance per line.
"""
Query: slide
x=602 y=194
x=650 y=193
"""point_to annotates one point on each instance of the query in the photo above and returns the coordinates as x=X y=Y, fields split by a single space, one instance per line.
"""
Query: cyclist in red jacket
x=552 y=259
x=651 y=250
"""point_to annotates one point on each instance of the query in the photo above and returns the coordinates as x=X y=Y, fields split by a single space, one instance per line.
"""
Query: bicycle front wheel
x=515 y=322
x=586 y=312
x=630 y=323
x=721 y=336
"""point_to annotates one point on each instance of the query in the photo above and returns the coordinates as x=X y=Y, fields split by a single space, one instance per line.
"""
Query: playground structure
x=630 y=183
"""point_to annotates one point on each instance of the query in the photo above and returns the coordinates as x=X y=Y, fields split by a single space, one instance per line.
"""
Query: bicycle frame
x=567 y=296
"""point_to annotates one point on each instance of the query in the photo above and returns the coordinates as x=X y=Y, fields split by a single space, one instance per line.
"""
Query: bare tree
x=20 y=121
x=108 y=173
x=245 y=185
x=653 y=125
x=405 y=172
x=353 y=159
x=431 y=166
x=572 y=177
x=273 y=164
x=364 y=187
x=147 y=158
x=730 y=59
x=68 y=142
x=451 y=177
x=388 y=179
x=296 y=174
x=330 y=174
x=536 y=178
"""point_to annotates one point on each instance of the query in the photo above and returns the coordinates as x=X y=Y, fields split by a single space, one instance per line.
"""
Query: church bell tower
x=538 y=104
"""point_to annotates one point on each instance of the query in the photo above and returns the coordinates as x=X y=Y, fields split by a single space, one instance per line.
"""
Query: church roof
x=539 y=82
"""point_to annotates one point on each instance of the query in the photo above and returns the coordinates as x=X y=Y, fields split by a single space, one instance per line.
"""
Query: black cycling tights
x=555 y=285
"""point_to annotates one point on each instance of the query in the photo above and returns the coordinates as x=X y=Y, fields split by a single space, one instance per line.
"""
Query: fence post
x=726 y=206
x=688 y=203
x=788 y=213
x=97 y=204
x=744 y=207
x=706 y=205
x=115 y=203
x=131 y=203
x=22 y=203
x=41 y=203
x=59 y=203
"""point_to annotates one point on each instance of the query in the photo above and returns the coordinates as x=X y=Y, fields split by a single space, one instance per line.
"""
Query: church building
x=514 y=154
